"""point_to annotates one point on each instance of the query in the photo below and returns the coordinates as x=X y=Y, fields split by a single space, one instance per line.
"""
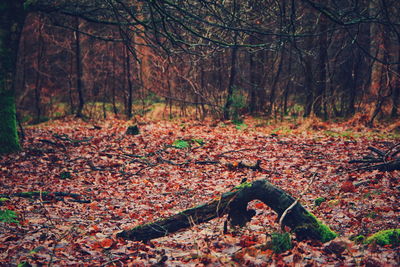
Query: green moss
x=318 y=201
x=317 y=229
x=281 y=242
x=243 y=185
x=8 y=125
x=385 y=237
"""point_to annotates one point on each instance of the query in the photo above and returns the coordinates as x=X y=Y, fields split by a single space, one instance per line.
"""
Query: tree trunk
x=79 y=74
x=374 y=97
x=309 y=87
x=253 y=85
x=320 y=87
x=396 y=90
x=12 y=17
x=128 y=111
x=278 y=71
x=113 y=84
x=231 y=83
x=234 y=203
x=39 y=67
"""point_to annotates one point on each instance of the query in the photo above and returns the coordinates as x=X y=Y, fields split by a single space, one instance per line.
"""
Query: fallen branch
x=53 y=143
x=65 y=137
x=48 y=196
x=234 y=203
x=383 y=161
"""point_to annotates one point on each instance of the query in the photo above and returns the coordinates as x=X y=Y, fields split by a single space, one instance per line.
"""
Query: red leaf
x=107 y=243
x=259 y=205
x=348 y=187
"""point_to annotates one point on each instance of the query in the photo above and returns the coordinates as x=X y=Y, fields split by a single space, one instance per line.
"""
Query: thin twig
x=296 y=201
x=387 y=154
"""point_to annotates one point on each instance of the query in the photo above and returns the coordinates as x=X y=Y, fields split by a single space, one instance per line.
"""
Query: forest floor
x=126 y=180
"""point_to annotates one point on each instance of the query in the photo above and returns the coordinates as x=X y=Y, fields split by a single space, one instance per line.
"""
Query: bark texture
x=234 y=203
x=11 y=22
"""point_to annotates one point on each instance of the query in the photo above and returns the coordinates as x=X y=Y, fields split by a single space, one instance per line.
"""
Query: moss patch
x=326 y=233
x=318 y=201
x=319 y=230
x=281 y=242
x=243 y=185
x=385 y=237
x=8 y=125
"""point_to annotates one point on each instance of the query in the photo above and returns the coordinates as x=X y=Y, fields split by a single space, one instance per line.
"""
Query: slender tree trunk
x=202 y=87
x=376 y=49
x=356 y=60
x=272 y=94
x=12 y=16
x=79 y=72
x=288 y=83
x=252 y=103
x=320 y=87
x=129 y=81
x=308 y=82
x=113 y=84
x=38 y=81
x=231 y=83
x=396 y=91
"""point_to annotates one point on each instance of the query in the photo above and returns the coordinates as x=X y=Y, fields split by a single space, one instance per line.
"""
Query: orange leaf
x=106 y=243
x=94 y=206
x=96 y=246
x=259 y=205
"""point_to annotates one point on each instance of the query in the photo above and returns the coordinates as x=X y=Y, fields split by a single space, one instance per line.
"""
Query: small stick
x=296 y=201
x=387 y=154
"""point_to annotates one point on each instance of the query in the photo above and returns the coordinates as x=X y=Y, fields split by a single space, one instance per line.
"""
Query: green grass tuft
x=8 y=216
x=181 y=144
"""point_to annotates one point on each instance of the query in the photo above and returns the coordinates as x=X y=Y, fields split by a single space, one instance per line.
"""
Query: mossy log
x=385 y=238
x=234 y=203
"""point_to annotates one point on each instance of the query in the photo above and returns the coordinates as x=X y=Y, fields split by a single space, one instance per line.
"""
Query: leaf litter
x=135 y=179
